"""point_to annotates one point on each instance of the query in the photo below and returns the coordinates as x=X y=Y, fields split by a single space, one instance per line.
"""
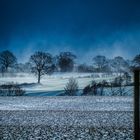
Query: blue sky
x=85 y=27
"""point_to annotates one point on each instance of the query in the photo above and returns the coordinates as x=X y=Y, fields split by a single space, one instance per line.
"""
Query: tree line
x=41 y=63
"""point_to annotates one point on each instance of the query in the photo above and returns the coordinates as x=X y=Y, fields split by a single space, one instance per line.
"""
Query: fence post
x=136 y=103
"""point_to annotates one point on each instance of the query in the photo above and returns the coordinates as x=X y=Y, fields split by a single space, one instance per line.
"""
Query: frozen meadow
x=64 y=117
x=54 y=84
x=90 y=117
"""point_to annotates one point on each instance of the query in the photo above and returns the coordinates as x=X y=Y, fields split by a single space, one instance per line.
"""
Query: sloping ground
x=66 y=118
x=54 y=82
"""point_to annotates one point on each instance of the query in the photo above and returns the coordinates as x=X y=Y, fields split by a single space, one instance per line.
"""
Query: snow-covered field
x=82 y=118
x=54 y=84
x=77 y=103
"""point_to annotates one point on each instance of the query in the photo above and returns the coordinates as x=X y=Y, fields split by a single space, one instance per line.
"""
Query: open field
x=52 y=85
x=66 y=118
x=54 y=82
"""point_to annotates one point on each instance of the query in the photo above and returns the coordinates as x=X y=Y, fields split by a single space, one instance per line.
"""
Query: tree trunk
x=39 y=75
x=6 y=68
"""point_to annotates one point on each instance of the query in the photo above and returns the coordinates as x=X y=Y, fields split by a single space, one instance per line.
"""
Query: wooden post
x=136 y=104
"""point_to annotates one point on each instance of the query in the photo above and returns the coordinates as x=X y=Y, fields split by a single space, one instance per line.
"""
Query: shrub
x=91 y=89
x=11 y=90
x=86 y=90
x=96 y=88
x=71 y=87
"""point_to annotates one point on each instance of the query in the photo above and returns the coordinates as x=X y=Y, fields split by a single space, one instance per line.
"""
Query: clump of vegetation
x=71 y=87
x=11 y=90
x=118 y=87
x=121 y=82
x=96 y=88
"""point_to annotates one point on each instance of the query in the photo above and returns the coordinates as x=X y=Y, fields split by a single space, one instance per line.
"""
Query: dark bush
x=86 y=90
x=11 y=90
x=96 y=88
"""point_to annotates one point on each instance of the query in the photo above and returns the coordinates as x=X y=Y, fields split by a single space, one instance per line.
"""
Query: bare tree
x=120 y=65
x=66 y=61
x=100 y=62
x=2 y=70
x=136 y=61
x=71 y=87
x=41 y=64
x=7 y=59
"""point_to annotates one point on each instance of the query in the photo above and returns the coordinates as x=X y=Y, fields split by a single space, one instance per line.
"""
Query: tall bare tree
x=66 y=61
x=7 y=59
x=41 y=64
x=100 y=62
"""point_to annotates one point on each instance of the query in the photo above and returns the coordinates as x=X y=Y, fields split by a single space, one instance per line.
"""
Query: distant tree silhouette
x=120 y=65
x=41 y=64
x=100 y=62
x=7 y=59
x=85 y=68
x=136 y=61
x=66 y=61
x=2 y=70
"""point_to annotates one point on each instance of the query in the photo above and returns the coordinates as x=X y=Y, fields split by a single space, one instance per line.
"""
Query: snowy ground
x=62 y=118
x=55 y=83
x=78 y=103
